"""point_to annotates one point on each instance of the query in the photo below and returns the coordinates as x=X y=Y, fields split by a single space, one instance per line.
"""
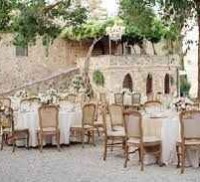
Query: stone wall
x=60 y=82
x=115 y=68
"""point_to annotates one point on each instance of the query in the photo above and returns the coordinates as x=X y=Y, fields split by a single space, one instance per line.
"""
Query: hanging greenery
x=185 y=86
x=98 y=78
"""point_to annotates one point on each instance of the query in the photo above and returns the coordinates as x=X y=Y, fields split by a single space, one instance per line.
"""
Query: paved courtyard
x=74 y=164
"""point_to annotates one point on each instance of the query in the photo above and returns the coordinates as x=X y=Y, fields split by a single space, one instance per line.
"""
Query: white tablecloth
x=168 y=130
x=30 y=120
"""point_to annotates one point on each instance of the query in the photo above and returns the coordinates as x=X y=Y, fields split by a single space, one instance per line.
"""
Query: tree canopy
x=32 y=18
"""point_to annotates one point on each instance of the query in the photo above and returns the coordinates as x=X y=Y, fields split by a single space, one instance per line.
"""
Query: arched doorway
x=149 y=85
x=167 y=84
x=128 y=83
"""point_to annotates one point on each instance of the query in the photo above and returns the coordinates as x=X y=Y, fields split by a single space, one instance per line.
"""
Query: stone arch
x=167 y=84
x=149 y=84
x=127 y=82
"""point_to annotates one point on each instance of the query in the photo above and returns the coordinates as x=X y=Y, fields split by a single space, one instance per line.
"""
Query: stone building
x=123 y=66
x=138 y=73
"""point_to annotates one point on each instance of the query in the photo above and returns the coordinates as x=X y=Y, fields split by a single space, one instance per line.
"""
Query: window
x=149 y=84
x=167 y=84
x=21 y=51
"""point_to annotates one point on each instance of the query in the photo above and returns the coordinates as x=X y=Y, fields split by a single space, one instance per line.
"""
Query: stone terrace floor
x=74 y=164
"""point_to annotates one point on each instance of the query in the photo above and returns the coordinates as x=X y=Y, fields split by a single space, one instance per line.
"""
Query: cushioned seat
x=151 y=140
x=190 y=142
x=120 y=133
x=80 y=126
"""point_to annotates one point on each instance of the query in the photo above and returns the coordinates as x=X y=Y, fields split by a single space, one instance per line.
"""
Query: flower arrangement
x=21 y=94
x=50 y=97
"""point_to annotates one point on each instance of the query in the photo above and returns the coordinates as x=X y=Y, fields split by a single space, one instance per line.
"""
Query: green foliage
x=142 y=23
x=77 y=82
x=5 y=14
x=88 y=30
x=32 y=18
x=185 y=86
x=98 y=78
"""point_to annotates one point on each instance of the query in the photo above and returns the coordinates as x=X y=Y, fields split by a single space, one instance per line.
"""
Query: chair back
x=6 y=102
x=119 y=99
x=7 y=120
x=190 y=124
x=48 y=116
x=102 y=98
x=89 y=111
x=153 y=105
x=71 y=98
x=136 y=98
x=133 y=124
x=116 y=115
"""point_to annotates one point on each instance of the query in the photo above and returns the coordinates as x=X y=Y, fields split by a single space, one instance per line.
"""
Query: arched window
x=128 y=83
x=149 y=84
x=167 y=84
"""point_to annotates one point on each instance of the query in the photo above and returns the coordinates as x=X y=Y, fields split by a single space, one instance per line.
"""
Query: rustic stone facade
x=18 y=71
x=116 y=68
x=38 y=71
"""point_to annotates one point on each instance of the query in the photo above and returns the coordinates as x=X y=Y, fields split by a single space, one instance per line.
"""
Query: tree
x=141 y=23
x=32 y=18
x=92 y=30
x=177 y=12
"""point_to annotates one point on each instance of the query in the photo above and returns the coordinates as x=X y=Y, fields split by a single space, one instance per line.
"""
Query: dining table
x=165 y=125
x=28 y=118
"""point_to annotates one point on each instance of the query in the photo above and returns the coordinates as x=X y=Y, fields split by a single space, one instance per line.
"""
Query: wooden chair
x=119 y=99
x=190 y=135
x=48 y=121
x=7 y=125
x=98 y=121
x=112 y=138
x=6 y=102
x=153 y=105
x=135 y=138
x=116 y=117
x=22 y=134
x=87 y=127
x=136 y=100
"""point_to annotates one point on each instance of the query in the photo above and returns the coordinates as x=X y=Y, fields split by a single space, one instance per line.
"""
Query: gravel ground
x=74 y=164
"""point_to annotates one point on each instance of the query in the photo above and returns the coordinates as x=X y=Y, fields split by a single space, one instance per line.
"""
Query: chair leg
x=160 y=157
x=58 y=140
x=112 y=143
x=98 y=132
x=89 y=136
x=178 y=155
x=105 y=149
x=182 y=159
x=2 y=141
x=93 y=138
x=28 y=140
x=139 y=153
x=142 y=157
x=127 y=155
x=41 y=141
x=14 y=144
x=82 y=137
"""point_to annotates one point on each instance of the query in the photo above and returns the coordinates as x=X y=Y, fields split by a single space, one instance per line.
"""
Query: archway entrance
x=128 y=83
x=167 y=84
x=149 y=85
